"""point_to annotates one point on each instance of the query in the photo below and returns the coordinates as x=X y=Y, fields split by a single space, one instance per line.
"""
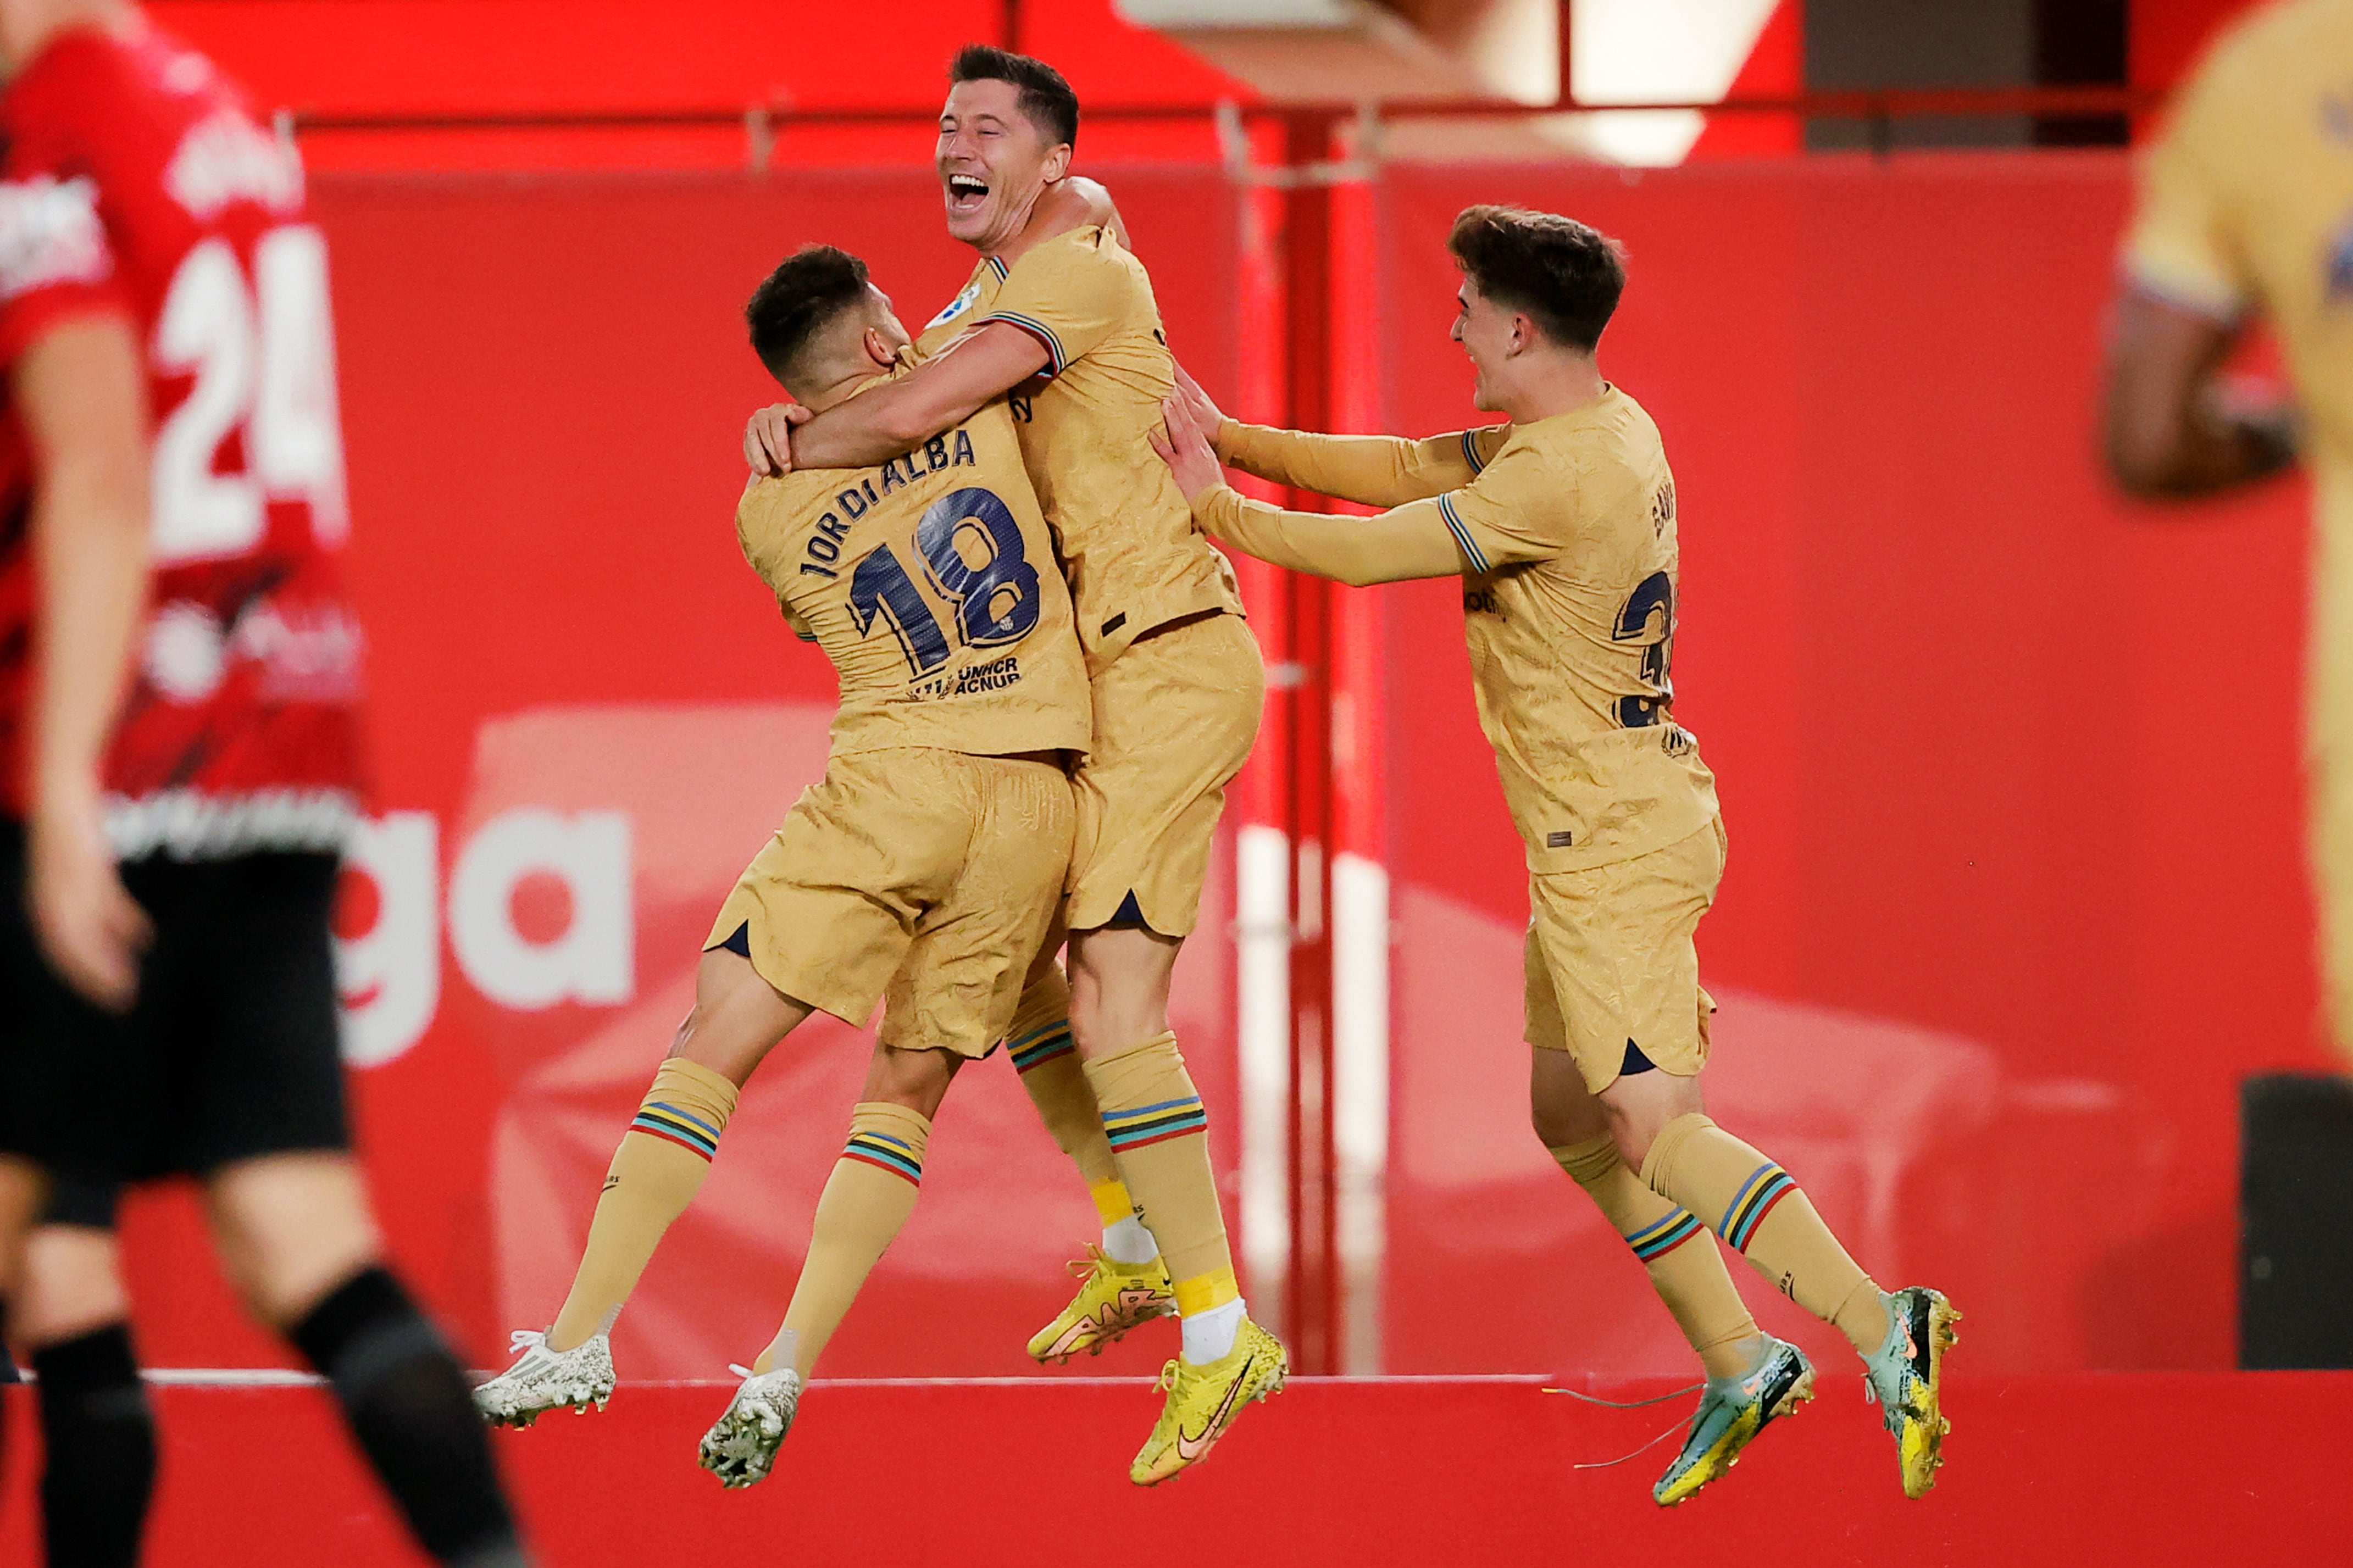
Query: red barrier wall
x=1331 y=1474
x=2011 y=770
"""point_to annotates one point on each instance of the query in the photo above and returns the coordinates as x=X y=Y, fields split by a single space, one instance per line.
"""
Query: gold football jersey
x=1565 y=531
x=1128 y=545
x=930 y=583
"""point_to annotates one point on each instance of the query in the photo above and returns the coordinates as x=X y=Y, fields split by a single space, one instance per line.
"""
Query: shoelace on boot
x=1632 y=1404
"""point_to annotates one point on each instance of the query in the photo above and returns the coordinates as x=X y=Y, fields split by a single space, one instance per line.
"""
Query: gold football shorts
x=1610 y=959
x=1175 y=715
x=922 y=878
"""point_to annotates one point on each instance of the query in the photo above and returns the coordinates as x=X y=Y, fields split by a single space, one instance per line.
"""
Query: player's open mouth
x=966 y=193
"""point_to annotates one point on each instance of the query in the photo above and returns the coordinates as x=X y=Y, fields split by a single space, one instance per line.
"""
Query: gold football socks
x=655 y=1174
x=1159 y=1133
x=1690 y=1279
x=1754 y=1204
x=1040 y=1044
x=868 y=1196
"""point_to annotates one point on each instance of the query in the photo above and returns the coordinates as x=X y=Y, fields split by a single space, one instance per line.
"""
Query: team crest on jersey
x=227 y=158
x=50 y=232
x=958 y=306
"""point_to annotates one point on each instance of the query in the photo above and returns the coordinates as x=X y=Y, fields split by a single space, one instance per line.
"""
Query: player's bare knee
x=291 y=1228
x=1119 y=987
x=1640 y=1105
x=1633 y=1142
x=1554 y=1128
x=1560 y=1108
x=917 y=1079
x=71 y=1282
x=737 y=1017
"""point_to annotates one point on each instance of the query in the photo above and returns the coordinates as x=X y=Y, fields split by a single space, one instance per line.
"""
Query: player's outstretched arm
x=2172 y=427
x=82 y=396
x=894 y=418
x=1370 y=471
x=1396 y=546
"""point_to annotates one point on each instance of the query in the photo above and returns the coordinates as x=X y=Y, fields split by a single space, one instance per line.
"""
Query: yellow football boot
x=1204 y=1400
x=1113 y=1298
x=1907 y=1378
x=1732 y=1412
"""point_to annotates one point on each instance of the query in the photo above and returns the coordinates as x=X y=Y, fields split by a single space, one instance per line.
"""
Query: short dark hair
x=1046 y=99
x=1566 y=276
x=807 y=293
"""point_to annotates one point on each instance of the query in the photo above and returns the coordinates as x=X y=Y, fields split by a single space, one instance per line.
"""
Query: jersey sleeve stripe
x=1471 y=450
x=1055 y=359
x=1471 y=550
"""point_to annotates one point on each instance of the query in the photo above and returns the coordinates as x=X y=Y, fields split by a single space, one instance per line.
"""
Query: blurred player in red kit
x=179 y=690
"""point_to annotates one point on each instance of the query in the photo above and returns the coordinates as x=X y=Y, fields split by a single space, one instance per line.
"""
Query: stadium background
x=2011 y=775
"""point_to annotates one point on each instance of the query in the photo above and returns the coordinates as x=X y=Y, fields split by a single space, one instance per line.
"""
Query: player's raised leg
x=660 y=1166
x=1123 y=1282
x=1174 y=718
x=952 y=998
x=867 y=1199
x=1752 y=1378
x=1752 y=1203
x=1574 y=1129
x=1159 y=1134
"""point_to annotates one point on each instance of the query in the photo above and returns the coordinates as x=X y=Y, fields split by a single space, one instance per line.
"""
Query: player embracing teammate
x=1177 y=689
x=1561 y=524
x=179 y=690
x=904 y=526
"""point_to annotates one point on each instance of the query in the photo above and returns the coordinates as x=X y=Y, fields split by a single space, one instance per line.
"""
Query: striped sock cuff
x=672 y=1125
x=1040 y=1045
x=1670 y=1231
x=895 y=1155
x=1767 y=1186
x=1142 y=1126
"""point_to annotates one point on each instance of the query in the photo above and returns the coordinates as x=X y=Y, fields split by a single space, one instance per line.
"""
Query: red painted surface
x=1327 y=1475
x=2164 y=37
x=405 y=58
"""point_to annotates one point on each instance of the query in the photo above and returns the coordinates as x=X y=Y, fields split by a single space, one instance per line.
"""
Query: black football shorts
x=230 y=1053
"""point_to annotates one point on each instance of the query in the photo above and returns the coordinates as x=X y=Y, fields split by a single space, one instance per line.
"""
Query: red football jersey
x=133 y=179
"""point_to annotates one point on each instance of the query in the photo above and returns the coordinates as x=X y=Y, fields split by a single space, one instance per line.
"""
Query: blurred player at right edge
x=179 y=690
x=2246 y=207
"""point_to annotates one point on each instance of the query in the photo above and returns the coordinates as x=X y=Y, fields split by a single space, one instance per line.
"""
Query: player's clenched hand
x=1196 y=401
x=768 y=437
x=1185 y=447
x=90 y=928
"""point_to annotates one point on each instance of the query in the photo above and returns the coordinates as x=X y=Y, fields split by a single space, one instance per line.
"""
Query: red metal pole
x=1313 y=1282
